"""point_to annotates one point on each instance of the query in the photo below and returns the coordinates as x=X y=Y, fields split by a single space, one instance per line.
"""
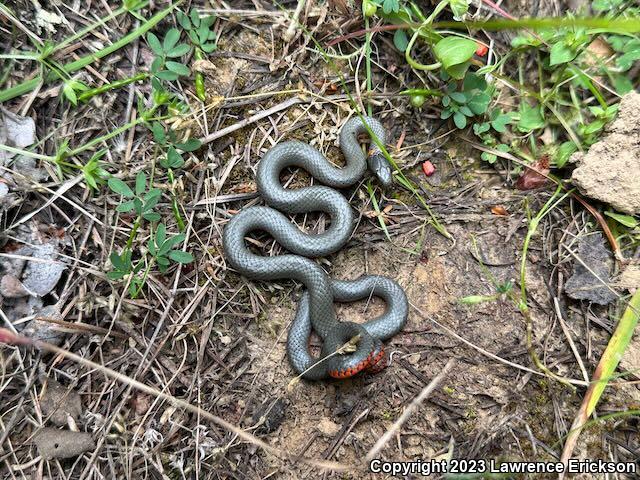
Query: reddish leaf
x=428 y=168
x=535 y=175
x=499 y=210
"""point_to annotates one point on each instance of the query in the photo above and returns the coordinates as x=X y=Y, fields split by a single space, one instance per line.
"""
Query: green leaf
x=500 y=122
x=180 y=256
x=466 y=111
x=561 y=53
x=627 y=60
x=179 y=50
x=622 y=83
x=446 y=114
x=141 y=182
x=390 y=6
x=148 y=205
x=118 y=186
x=460 y=120
x=458 y=97
x=178 y=68
x=154 y=44
x=473 y=81
x=480 y=128
x=137 y=205
x=209 y=47
x=69 y=93
x=458 y=71
x=171 y=242
x=626 y=220
x=454 y=53
x=564 y=153
x=153 y=193
x=167 y=75
x=195 y=17
x=183 y=20
x=530 y=118
x=190 y=145
x=170 y=39
x=163 y=262
x=400 y=40
x=125 y=207
x=488 y=157
x=479 y=103
x=161 y=234
x=116 y=261
x=158 y=132
x=151 y=216
x=117 y=275
x=459 y=8
x=174 y=159
x=446 y=100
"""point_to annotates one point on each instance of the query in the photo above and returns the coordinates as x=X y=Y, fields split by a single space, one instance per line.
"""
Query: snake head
x=380 y=167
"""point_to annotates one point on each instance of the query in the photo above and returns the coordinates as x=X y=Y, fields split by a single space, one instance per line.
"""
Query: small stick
x=252 y=119
x=413 y=406
x=291 y=31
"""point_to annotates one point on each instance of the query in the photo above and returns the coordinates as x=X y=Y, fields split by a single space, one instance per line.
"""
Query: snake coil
x=316 y=308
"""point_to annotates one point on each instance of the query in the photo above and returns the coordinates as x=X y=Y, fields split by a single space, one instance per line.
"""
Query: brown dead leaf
x=499 y=210
x=534 y=176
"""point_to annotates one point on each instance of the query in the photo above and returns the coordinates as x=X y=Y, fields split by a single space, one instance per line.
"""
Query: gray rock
x=583 y=285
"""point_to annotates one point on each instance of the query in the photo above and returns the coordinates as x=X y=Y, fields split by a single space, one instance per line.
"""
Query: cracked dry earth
x=485 y=408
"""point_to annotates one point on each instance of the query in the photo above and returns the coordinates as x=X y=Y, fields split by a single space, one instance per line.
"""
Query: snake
x=316 y=310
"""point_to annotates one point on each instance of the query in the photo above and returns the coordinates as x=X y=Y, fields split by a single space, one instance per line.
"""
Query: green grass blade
x=604 y=371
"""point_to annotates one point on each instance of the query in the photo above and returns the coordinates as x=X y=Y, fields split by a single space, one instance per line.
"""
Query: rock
x=41 y=329
x=15 y=131
x=270 y=415
x=630 y=278
x=327 y=427
x=583 y=285
x=40 y=277
x=54 y=443
x=610 y=170
x=58 y=403
x=11 y=287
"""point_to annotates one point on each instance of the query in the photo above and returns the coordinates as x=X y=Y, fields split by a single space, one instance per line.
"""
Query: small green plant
x=203 y=39
x=142 y=202
x=164 y=65
x=163 y=248
x=472 y=100
x=93 y=171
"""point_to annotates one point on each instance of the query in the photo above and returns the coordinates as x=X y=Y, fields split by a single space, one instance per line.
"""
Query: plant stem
x=367 y=59
x=111 y=86
x=27 y=153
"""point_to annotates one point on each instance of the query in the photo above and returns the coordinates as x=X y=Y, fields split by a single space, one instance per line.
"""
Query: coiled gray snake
x=316 y=308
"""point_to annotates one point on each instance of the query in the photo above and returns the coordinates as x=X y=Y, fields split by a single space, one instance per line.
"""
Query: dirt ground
x=206 y=335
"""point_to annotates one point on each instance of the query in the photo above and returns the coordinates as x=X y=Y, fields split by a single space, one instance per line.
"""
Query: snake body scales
x=316 y=308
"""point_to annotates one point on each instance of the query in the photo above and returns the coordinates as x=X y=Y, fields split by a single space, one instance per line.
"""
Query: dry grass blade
x=603 y=373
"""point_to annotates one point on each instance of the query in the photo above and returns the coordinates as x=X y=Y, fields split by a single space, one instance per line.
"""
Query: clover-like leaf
x=178 y=50
x=118 y=186
x=141 y=182
x=170 y=39
x=154 y=44
x=180 y=256
x=178 y=68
